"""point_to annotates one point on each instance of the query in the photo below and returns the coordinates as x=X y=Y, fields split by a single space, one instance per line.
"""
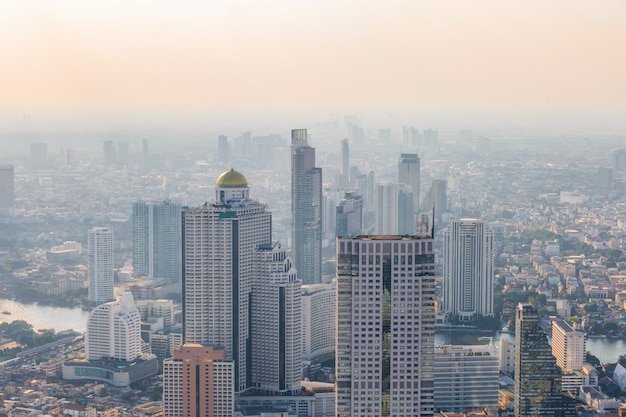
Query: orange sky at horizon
x=313 y=53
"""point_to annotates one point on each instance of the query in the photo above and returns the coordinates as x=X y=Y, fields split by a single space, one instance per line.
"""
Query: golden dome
x=231 y=178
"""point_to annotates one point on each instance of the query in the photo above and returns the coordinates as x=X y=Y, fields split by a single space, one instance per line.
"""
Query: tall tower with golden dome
x=220 y=238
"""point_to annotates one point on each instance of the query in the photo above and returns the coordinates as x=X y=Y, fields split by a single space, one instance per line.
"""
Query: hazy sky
x=103 y=53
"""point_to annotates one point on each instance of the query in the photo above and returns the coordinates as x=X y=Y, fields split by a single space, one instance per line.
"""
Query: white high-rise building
x=219 y=243
x=385 y=326
x=386 y=208
x=276 y=323
x=100 y=249
x=114 y=330
x=157 y=240
x=568 y=346
x=466 y=377
x=319 y=305
x=468 y=269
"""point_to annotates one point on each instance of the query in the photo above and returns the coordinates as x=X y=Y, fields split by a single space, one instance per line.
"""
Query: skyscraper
x=38 y=154
x=108 y=152
x=123 y=154
x=145 y=152
x=466 y=377
x=406 y=211
x=436 y=198
x=198 y=381
x=568 y=346
x=385 y=326
x=114 y=330
x=306 y=209
x=318 y=320
x=349 y=214
x=219 y=243
x=100 y=250
x=386 y=208
x=619 y=160
x=409 y=173
x=537 y=378
x=345 y=163
x=7 y=190
x=223 y=149
x=276 y=323
x=157 y=246
x=468 y=269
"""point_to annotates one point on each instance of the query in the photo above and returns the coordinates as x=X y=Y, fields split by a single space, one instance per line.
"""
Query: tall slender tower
x=306 y=209
x=385 y=326
x=468 y=269
x=100 y=249
x=345 y=163
x=157 y=246
x=276 y=323
x=409 y=173
x=537 y=378
x=219 y=243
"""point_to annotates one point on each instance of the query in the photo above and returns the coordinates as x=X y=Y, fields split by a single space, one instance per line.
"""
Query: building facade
x=468 y=269
x=409 y=173
x=276 y=323
x=306 y=209
x=568 y=346
x=318 y=320
x=157 y=245
x=386 y=208
x=466 y=377
x=219 y=243
x=100 y=268
x=198 y=381
x=114 y=330
x=385 y=326
x=349 y=214
x=537 y=378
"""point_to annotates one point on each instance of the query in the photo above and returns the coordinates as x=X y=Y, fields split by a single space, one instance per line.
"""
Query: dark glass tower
x=537 y=378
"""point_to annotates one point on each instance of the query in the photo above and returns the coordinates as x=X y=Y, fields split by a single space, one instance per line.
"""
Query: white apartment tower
x=319 y=306
x=157 y=240
x=114 y=330
x=468 y=269
x=276 y=332
x=219 y=243
x=385 y=326
x=568 y=346
x=100 y=250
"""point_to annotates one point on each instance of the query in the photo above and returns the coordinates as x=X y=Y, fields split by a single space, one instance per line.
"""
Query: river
x=62 y=318
x=607 y=350
x=45 y=317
